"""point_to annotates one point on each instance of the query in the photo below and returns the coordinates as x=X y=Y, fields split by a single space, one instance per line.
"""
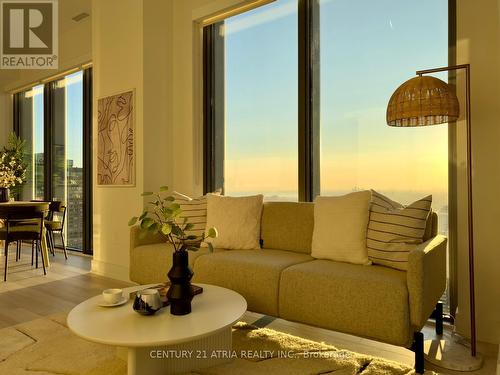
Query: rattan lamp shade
x=422 y=101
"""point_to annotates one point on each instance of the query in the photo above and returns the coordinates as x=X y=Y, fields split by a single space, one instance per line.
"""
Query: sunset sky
x=358 y=150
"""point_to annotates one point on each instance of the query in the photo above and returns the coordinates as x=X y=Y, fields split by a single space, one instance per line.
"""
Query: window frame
x=48 y=125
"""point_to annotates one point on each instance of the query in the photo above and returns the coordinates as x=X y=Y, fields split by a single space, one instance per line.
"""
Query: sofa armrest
x=137 y=240
x=426 y=278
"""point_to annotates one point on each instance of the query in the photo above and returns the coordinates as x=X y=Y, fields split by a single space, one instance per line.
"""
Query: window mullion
x=48 y=125
x=87 y=162
x=308 y=78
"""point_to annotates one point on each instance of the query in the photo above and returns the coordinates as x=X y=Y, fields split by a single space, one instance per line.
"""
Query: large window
x=296 y=93
x=67 y=153
x=54 y=119
x=360 y=68
x=31 y=128
x=255 y=68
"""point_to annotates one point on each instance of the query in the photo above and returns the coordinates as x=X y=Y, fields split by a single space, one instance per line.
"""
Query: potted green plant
x=163 y=216
x=12 y=166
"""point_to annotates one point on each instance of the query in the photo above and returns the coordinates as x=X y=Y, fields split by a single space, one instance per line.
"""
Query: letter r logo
x=27 y=27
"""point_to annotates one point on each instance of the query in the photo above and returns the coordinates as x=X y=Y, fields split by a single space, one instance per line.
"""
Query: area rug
x=47 y=347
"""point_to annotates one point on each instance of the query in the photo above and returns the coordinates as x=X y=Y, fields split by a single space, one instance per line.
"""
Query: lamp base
x=447 y=352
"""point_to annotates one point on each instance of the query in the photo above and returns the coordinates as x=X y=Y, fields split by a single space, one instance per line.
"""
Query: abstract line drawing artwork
x=115 y=142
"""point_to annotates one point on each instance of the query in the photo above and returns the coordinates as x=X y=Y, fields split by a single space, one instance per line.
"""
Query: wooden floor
x=29 y=295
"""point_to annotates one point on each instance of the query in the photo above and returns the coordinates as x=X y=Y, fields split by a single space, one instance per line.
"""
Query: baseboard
x=113 y=271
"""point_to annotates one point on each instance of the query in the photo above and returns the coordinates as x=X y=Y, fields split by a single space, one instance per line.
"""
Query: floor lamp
x=422 y=101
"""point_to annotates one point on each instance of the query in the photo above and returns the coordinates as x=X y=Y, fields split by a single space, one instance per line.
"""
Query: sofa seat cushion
x=150 y=263
x=255 y=274
x=368 y=301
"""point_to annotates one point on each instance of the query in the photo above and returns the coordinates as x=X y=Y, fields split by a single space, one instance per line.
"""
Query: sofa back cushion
x=287 y=226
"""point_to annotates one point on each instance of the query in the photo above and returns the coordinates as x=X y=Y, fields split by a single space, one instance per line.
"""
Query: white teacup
x=112 y=295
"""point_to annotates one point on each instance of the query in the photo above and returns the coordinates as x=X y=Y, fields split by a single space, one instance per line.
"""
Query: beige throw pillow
x=340 y=228
x=237 y=220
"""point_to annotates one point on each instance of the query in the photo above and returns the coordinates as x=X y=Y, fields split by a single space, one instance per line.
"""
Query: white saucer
x=107 y=304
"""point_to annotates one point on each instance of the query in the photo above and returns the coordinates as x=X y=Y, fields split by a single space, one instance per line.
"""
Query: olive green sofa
x=283 y=280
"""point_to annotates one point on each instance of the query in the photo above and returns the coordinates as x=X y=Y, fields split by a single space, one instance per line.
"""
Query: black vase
x=4 y=194
x=180 y=292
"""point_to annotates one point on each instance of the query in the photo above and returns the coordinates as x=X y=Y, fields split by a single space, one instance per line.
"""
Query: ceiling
x=69 y=9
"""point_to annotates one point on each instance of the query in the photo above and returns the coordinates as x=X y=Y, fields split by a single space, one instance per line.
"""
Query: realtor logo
x=29 y=34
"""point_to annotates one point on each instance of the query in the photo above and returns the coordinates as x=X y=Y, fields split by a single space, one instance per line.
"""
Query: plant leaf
x=132 y=221
x=166 y=229
x=144 y=214
x=169 y=199
x=212 y=233
x=146 y=222
x=163 y=188
x=154 y=228
x=188 y=226
x=210 y=247
x=176 y=230
x=147 y=193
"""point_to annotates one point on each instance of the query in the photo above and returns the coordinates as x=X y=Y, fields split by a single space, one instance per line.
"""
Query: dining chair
x=24 y=225
x=55 y=224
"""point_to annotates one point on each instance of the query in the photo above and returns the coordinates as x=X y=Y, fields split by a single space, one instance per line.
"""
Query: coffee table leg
x=133 y=367
x=202 y=353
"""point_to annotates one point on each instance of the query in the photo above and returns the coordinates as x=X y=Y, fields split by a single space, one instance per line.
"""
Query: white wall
x=5 y=117
x=117 y=38
x=158 y=93
x=478 y=43
x=132 y=49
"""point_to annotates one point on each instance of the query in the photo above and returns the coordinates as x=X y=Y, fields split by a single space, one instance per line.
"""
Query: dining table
x=33 y=206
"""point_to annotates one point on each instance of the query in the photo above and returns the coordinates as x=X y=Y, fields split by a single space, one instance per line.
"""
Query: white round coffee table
x=164 y=343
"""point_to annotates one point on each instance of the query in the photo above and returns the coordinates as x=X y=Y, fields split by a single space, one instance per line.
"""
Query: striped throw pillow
x=394 y=230
x=195 y=210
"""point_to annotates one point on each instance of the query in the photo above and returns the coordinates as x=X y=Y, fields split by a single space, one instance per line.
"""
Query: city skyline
x=67 y=187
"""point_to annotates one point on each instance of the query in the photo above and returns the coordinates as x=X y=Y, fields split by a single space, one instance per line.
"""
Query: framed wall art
x=116 y=140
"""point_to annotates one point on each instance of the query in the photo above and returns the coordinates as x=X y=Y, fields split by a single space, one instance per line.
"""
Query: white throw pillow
x=340 y=225
x=237 y=220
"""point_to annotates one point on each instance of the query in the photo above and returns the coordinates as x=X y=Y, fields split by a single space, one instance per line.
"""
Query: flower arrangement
x=12 y=166
x=162 y=215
